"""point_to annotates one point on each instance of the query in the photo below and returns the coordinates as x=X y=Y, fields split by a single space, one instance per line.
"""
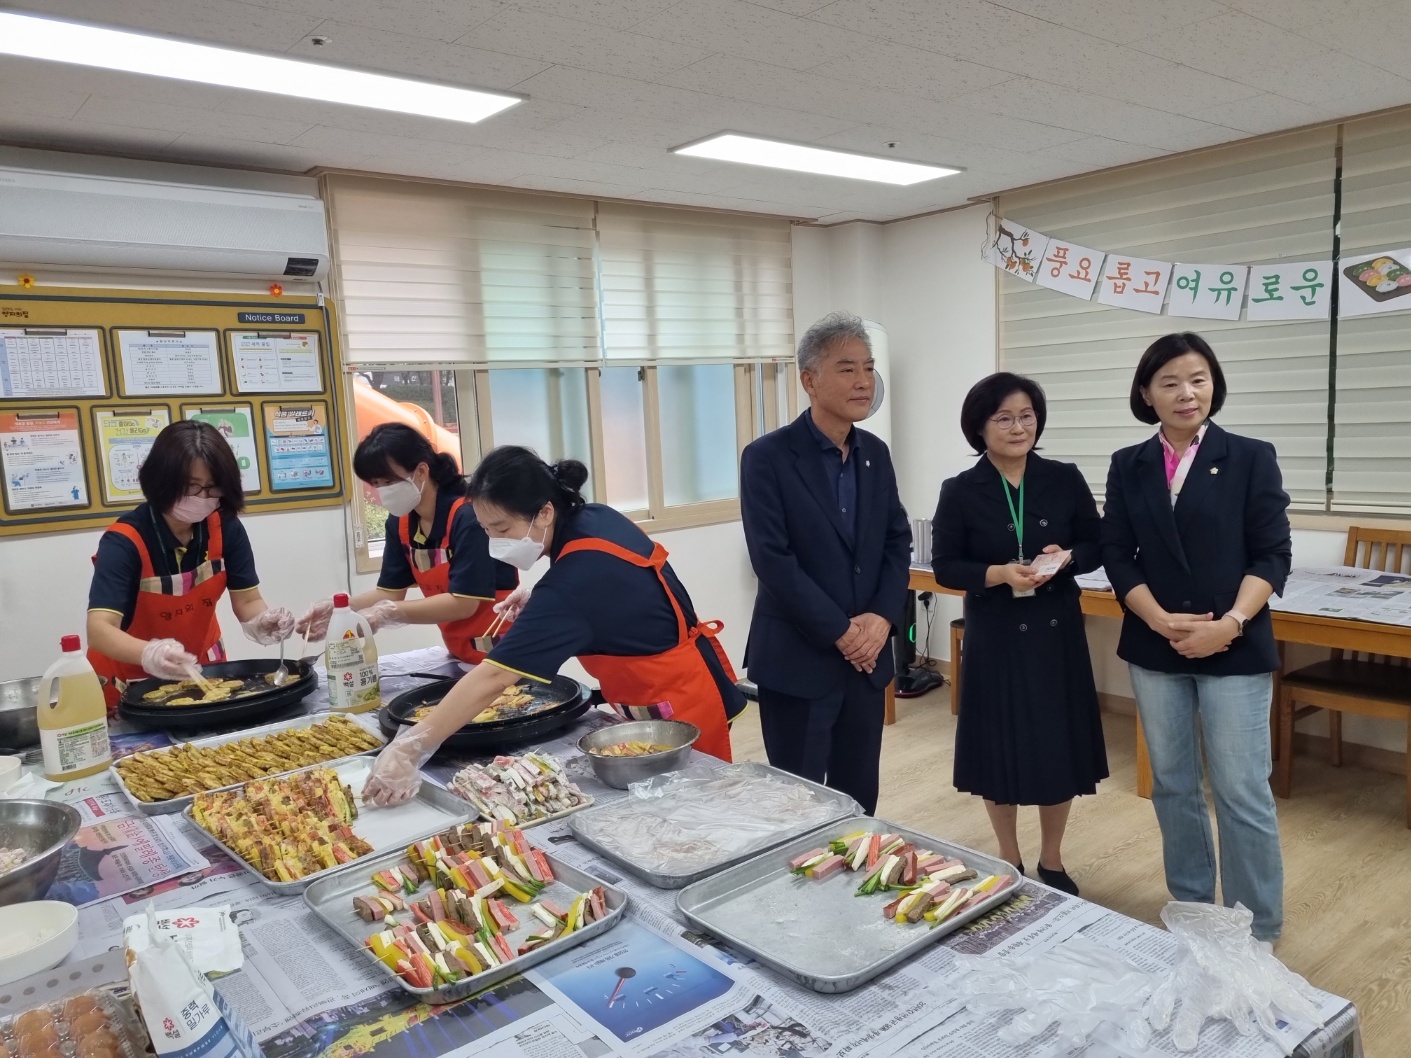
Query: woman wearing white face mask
x=433 y=542
x=608 y=598
x=161 y=568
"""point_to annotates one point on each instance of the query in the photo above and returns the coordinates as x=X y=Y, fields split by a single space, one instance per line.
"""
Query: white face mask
x=522 y=553
x=399 y=498
x=194 y=509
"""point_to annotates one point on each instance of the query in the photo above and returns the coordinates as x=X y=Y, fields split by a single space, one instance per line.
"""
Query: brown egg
x=79 y=1028
x=49 y=1051
x=31 y=1020
x=100 y=1044
x=77 y=1006
x=31 y=1043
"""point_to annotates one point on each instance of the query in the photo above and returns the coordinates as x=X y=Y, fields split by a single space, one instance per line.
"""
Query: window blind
x=440 y=275
x=1244 y=204
x=688 y=286
x=1371 y=470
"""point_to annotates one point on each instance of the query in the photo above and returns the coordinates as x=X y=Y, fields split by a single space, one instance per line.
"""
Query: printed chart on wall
x=276 y=363
x=42 y=456
x=162 y=363
x=236 y=424
x=125 y=437
x=49 y=362
x=297 y=440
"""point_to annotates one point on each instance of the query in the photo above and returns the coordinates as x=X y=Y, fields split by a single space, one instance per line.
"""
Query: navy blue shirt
x=594 y=603
x=842 y=473
x=474 y=574
x=117 y=568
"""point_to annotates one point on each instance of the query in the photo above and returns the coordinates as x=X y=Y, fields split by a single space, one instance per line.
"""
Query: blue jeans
x=1234 y=718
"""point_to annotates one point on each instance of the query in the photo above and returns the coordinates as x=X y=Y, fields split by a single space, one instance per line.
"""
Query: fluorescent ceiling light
x=776 y=154
x=113 y=49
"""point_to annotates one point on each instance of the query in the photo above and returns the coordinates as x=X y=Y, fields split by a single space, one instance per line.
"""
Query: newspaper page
x=1347 y=592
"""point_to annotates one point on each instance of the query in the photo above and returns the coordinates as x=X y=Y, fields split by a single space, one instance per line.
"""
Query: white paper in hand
x=1049 y=564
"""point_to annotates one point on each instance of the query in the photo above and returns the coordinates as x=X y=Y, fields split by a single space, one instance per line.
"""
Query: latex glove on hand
x=512 y=605
x=396 y=773
x=313 y=624
x=274 y=625
x=167 y=659
x=385 y=613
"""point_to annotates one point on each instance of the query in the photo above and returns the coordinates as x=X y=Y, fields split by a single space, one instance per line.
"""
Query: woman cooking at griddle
x=162 y=567
x=608 y=598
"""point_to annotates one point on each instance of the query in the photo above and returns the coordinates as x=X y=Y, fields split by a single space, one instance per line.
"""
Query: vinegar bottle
x=73 y=721
x=350 y=659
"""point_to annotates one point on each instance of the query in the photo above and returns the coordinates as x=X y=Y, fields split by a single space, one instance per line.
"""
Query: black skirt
x=1029 y=731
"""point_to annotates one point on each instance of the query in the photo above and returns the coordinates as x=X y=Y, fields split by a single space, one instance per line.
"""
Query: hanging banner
x=1207 y=291
x=1373 y=283
x=1016 y=249
x=1300 y=290
x=1134 y=283
x=1070 y=269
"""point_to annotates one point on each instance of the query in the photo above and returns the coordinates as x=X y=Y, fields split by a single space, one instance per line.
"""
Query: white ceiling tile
x=611 y=14
x=117 y=110
x=1338 y=82
x=226 y=22
x=1296 y=14
x=1187 y=90
x=794 y=7
x=1370 y=36
x=52 y=104
x=913 y=146
x=551 y=39
x=966 y=29
x=219 y=149
x=1263 y=113
x=529 y=116
x=910 y=71
x=620 y=126
x=66 y=133
x=443 y=20
x=399 y=53
x=1120 y=21
x=431 y=166
x=1230 y=46
x=567 y=186
x=656 y=159
x=36 y=77
x=1098 y=152
x=752 y=32
x=684 y=179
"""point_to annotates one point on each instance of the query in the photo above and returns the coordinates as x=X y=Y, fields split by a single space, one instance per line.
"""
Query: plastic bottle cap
x=340 y=600
x=69 y=644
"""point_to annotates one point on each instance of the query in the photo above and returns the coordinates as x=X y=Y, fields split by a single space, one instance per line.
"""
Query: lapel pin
x=1214 y=470
x=867 y=462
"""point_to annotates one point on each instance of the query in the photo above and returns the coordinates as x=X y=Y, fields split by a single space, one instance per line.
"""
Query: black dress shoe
x=1020 y=868
x=1059 y=880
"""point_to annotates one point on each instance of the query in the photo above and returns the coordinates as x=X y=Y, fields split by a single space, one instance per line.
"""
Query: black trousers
x=835 y=740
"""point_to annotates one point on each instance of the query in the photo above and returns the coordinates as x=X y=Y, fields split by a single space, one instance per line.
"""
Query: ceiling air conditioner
x=125 y=224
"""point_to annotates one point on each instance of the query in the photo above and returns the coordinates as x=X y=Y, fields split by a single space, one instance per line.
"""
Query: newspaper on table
x=1348 y=592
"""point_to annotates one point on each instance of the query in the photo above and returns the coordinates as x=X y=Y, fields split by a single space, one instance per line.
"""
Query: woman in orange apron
x=433 y=542
x=608 y=598
x=161 y=568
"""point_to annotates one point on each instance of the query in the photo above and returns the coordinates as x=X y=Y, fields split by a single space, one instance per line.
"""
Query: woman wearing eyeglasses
x=161 y=568
x=1029 y=731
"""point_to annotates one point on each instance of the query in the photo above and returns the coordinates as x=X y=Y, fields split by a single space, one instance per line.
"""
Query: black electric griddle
x=233 y=712
x=565 y=700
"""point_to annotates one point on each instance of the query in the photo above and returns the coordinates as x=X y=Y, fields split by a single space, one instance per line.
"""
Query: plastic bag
x=1079 y=985
x=1221 y=971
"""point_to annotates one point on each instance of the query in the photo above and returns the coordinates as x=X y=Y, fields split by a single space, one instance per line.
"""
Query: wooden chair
x=1350 y=681
x=957 y=648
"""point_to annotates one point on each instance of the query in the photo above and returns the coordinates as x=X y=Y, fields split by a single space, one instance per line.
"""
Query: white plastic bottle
x=350 y=659
x=73 y=721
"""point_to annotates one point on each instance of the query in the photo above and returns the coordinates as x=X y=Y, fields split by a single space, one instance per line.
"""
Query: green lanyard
x=1018 y=515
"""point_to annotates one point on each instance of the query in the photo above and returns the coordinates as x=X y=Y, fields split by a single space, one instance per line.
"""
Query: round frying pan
x=564 y=701
x=232 y=711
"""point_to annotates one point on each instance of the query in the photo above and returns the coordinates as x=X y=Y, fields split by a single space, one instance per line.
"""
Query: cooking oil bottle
x=350 y=659
x=73 y=719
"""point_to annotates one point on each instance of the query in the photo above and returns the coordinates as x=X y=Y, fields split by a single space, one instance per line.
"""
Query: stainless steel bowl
x=19 y=703
x=621 y=772
x=39 y=827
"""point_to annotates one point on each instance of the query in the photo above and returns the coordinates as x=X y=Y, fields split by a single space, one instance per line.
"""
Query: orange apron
x=435 y=579
x=181 y=606
x=679 y=675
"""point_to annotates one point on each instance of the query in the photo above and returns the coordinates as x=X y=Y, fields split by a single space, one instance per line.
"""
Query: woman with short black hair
x=161 y=568
x=608 y=598
x=1195 y=539
x=1029 y=731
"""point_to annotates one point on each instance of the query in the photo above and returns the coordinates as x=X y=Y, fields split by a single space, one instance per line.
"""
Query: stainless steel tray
x=332 y=900
x=176 y=804
x=821 y=933
x=581 y=822
x=431 y=811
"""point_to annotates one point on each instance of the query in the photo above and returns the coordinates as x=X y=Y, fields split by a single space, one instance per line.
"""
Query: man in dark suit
x=831 y=545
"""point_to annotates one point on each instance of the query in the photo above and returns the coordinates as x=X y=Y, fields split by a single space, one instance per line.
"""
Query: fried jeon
x=159 y=775
x=512 y=702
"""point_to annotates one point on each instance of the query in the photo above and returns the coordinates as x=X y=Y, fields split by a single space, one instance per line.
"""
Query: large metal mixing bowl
x=39 y=827
x=622 y=772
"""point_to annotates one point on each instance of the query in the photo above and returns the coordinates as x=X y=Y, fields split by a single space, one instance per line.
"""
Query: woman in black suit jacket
x=1195 y=540
x=1029 y=731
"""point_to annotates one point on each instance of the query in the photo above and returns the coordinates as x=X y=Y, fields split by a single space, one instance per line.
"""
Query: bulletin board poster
x=236 y=424
x=42 y=457
x=42 y=363
x=296 y=436
x=276 y=363
x=124 y=439
x=169 y=363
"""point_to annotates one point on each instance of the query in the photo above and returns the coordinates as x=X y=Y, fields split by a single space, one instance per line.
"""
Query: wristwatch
x=1240 y=619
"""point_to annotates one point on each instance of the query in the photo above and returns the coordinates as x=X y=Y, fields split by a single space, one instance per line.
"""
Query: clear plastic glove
x=313 y=623
x=168 y=660
x=274 y=625
x=385 y=613
x=513 y=604
x=396 y=773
